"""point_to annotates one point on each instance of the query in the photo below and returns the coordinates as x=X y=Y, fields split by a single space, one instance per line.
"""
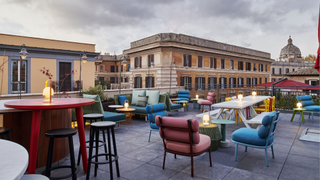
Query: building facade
x=290 y=60
x=61 y=58
x=308 y=76
x=200 y=64
x=111 y=69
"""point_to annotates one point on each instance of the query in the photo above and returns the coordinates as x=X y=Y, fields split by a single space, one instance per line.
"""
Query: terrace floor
x=140 y=159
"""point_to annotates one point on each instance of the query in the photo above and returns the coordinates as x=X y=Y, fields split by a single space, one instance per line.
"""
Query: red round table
x=37 y=105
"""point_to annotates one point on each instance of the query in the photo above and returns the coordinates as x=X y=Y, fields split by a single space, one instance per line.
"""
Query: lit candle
x=254 y=93
x=126 y=104
x=46 y=93
x=197 y=96
x=206 y=118
x=240 y=97
x=299 y=105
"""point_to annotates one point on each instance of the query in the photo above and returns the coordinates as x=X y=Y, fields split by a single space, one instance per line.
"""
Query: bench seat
x=114 y=117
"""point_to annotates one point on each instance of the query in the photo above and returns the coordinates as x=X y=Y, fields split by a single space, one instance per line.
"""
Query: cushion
x=153 y=97
x=250 y=136
x=122 y=99
x=264 y=129
x=175 y=106
x=152 y=116
x=135 y=95
x=183 y=99
x=142 y=101
x=139 y=109
x=313 y=108
x=154 y=126
x=95 y=97
x=156 y=107
x=307 y=103
x=210 y=98
x=204 y=144
x=204 y=102
x=303 y=98
x=115 y=117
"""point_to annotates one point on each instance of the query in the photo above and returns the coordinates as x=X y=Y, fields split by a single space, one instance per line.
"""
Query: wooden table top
x=126 y=109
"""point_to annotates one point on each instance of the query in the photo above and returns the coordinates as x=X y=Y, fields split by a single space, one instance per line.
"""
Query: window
x=287 y=70
x=101 y=78
x=200 y=83
x=265 y=80
x=121 y=79
x=137 y=62
x=260 y=67
x=254 y=82
x=223 y=82
x=240 y=65
x=128 y=69
x=254 y=67
x=137 y=82
x=126 y=79
x=117 y=69
x=112 y=69
x=273 y=79
x=213 y=63
x=212 y=81
x=232 y=82
x=248 y=82
x=101 y=68
x=260 y=80
x=293 y=70
x=266 y=67
x=199 y=61
x=186 y=82
x=18 y=73
x=248 y=66
x=121 y=69
x=187 y=60
x=279 y=70
x=222 y=63
x=112 y=80
x=272 y=70
x=150 y=59
x=240 y=82
x=231 y=64
x=149 y=82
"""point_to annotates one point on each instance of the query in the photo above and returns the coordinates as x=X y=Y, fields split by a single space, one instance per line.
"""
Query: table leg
x=130 y=117
x=223 y=132
x=244 y=120
x=34 y=140
x=301 y=115
x=219 y=113
x=294 y=113
x=82 y=138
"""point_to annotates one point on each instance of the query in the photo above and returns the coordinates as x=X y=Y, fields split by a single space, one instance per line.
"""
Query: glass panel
x=15 y=70
x=23 y=71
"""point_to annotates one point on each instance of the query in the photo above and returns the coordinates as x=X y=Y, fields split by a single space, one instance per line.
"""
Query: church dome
x=290 y=51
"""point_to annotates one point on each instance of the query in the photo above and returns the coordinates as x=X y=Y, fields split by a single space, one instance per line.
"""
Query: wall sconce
x=126 y=104
x=254 y=93
x=240 y=97
x=299 y=105
x=46 y=93
x=206 y=118
x=197 y=96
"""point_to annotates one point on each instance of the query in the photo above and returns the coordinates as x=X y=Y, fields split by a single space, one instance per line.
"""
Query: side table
x=223 y=122
x=114 y=107
x=195 y=102
x=182 y=102
x=212 y=130
x=126 y=111
x=301 y=113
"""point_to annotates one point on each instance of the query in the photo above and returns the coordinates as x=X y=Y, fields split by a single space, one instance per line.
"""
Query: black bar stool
x=94 y=117
x=61 y=133
x=94 y=130
x=5 y=131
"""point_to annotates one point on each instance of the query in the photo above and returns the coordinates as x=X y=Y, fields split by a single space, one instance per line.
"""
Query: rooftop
x=138 y=159
x=307 y=71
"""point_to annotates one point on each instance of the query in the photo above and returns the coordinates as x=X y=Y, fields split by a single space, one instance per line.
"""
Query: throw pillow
x=153 y=97
x=135 y=95
x=122 y=99
x=142 y=101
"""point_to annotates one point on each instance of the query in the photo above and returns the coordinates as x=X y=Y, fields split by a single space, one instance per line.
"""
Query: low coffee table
x=212 y=130
x=126 y=111
x=223 y=122
x=195 y=102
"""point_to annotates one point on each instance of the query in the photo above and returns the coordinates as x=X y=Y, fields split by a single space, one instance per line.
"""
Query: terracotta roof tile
x=307 y=71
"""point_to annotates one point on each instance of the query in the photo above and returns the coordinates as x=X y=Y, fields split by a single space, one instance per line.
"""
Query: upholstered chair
x=209 y=101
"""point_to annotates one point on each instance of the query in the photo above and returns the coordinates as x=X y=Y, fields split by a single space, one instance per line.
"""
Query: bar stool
x=61 y=133
x=94 y=117
x=94 y=130
x=5 y=131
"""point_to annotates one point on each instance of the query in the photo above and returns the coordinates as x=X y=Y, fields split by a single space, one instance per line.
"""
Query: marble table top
x=14 y=160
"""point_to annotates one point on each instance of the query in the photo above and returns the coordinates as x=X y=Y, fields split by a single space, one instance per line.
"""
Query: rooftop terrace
x=138 y=159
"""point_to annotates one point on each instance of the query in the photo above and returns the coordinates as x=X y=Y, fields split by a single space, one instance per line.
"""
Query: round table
x=223 y=122
x=195 y=102
x=212 y=130
x=37 y=105
x=301 y=113
x=126 y=110
x=115 y=106
x=182 y=102
x=14 y=160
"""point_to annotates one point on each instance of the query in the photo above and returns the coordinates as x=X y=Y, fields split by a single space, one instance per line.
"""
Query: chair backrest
x=156 y=110
x=184 y=94
x=179 y=129
x=93 y=108
x=210 y=96
x=269 y=124
x=305 y=100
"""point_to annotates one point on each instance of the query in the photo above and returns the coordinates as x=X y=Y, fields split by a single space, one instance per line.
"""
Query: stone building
x=289 y=61
x=309 y=76
x=201 y=64
x=112 y=69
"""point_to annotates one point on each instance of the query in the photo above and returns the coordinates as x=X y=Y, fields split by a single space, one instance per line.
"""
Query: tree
x=310 y=58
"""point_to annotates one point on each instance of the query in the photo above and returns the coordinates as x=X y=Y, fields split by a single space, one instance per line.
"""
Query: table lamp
x=46 y=93
x=254 y=94
x=126 y=104
x=206 y=118
x=240 y=97
x=299 y=105
x=197 y=96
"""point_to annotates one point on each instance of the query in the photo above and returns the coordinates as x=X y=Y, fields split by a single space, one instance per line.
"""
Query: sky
x=112 y=24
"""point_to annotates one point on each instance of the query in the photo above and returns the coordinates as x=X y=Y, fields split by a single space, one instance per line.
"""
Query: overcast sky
x=263 y=25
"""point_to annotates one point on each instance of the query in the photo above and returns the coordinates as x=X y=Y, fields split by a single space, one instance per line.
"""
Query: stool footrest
x=100 y=141
x=115 y=157
x=59 y=167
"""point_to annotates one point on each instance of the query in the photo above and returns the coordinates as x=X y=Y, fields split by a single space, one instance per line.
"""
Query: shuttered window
x=149 y=82
x=212 y=81
x=222 y=63
x=187 y=60
x=199 y=61
x=137 y=82
x=150 y=59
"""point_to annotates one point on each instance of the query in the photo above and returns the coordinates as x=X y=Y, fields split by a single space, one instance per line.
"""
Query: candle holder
x=48 y=92
x=206 y=118
x=240 y=97
x=126 y=104
x=299 y=105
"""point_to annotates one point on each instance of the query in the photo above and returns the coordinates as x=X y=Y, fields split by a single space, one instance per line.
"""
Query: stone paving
x=140 y=159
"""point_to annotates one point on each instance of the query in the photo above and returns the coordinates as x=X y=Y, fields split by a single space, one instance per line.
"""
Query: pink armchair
x=181 y=136
x=209 y=101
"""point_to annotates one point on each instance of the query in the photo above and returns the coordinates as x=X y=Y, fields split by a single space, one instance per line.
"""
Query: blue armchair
x=153 y=111
x=308 y=104
x=262 y=138
x=184 y=95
